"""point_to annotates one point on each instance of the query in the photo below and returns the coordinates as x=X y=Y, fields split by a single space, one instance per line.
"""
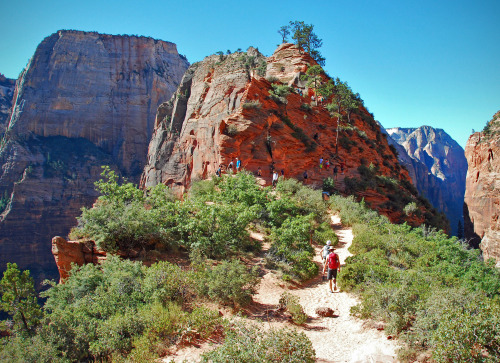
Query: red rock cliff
x=84 y=100
x=482 y=193
x=223 y=110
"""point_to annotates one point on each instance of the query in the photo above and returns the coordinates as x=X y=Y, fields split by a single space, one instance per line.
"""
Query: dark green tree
x=304 y=37
x=19 y=298
x=313 y=78
x=284 y=31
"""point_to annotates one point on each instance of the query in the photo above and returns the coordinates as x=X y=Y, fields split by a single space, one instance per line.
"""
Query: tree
x=19 y=297
x=304 y=37
x=284 y=31
x=313 y=77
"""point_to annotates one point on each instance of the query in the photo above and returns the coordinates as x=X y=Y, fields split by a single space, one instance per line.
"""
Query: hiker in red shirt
x=333 y=264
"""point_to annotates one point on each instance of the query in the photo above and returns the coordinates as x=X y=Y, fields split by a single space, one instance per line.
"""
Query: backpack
x=326 y=251
x=333 y=261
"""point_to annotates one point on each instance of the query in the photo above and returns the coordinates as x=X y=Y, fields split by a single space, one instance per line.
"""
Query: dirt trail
x=341 y=338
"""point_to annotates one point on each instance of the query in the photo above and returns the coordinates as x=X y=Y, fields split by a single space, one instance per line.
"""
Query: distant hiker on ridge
x=238 y=164
x=333 y=264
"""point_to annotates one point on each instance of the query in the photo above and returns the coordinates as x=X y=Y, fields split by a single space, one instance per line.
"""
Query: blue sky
x=425 y=62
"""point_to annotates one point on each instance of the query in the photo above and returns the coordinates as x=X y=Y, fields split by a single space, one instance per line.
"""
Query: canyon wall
x=224 y=109
x=6 y=94
x=84 y=100
x=482 y=194
x=438 y=167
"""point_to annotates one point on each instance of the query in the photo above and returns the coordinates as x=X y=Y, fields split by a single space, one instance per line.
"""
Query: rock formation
x=482 y=193
x=6 y=93
x=437 y=166
x=223 y=110
x=84 y=100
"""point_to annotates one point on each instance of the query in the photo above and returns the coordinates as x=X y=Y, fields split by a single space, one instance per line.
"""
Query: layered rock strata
x=437 y=166
x=84 y=100
x=482 y=193
x=224 y=110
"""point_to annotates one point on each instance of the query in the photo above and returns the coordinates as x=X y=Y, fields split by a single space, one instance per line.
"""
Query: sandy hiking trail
x=341 y=338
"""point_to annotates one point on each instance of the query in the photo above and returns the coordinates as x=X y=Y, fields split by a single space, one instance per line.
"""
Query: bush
x=254 y=104
x=306 y=107
x=230 y=283
x=248 y=343
x=291 y=304
x=231 y=130
x=279 y=92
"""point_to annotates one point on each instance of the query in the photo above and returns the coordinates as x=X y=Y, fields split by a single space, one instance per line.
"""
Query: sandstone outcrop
x=482 y=193
x=437 y=166
x=6 y=93
x=223 y=110
x=84 y=100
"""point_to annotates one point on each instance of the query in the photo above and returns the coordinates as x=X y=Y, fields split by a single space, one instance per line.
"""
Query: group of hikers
x=232 y=167
x=326 y=165
x=331 y=264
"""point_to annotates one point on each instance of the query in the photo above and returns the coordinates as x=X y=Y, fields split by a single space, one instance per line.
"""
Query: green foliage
x=114 y=310
x=255 y=104
x=291 y=303
x=248 y=343
x=329 y=185
x=429 y=288
x=279 y=92
x=299 y=134
x=410 y=208
x=313 y=77
x=292 y=249
x=19 y=299
x=231 y=130
x=304 y=37
x=230 y=283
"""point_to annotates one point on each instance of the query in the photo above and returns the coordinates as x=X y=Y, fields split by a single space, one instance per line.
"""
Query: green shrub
x=329 y=185
x=230 y=283
x=279 y=92
x=306 y=107
x=248 y=343
x=254 y=104
x=231 y=130
x=291 y=304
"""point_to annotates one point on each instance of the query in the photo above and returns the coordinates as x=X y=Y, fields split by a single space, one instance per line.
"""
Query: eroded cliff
x=84 y=100
x=223 y=110
x=6 y=94
x=482 y=193
x=437 y=166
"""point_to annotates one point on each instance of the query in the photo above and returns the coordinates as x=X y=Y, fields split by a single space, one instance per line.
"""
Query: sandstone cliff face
x=6 y=93
x=223 y=111
x=437 y=166
x=482 y=193
x=84 y=100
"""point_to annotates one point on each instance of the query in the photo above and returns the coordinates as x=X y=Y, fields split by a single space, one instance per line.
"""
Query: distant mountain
x=84 y=100
x=437 y=166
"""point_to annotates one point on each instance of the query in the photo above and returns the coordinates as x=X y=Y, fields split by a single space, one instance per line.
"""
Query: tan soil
x=341 y=338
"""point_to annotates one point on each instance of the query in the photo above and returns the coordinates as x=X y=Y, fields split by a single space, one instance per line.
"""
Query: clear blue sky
x=422 y=62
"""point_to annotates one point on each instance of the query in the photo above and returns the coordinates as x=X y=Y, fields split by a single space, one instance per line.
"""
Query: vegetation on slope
x=123 y=309
x=432 y=290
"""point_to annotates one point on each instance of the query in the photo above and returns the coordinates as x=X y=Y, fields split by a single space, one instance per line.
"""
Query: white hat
x=328 y=242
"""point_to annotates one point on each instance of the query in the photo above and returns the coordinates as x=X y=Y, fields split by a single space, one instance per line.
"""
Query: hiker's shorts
x=332 y=274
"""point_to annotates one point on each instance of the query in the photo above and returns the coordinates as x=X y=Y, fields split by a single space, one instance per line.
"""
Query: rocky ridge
x=84 y=100
x=482 y=193
x=223 y=110
x=6 y=93
x=437 y=166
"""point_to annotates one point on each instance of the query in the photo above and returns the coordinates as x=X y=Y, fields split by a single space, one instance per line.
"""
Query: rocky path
x=341 y=338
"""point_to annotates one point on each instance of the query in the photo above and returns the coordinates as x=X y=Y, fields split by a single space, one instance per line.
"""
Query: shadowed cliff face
x=223 y=111
x=84 y=100
x=481 y=207
x=6 y=93
x=437 y=166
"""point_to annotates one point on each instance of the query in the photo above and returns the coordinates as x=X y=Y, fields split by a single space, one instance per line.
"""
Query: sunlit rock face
x=482 y=194
x=84 y=100
x=223 y=110
x=6 y=94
